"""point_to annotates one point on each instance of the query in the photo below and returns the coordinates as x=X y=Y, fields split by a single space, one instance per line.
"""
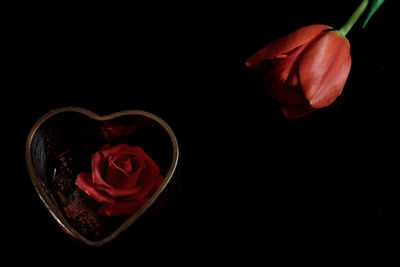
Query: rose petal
x=114 y=174
x=146 y=158
x=121 y=166
x=108 y=150
x=126 y=165
x=125 y=153
x=156 y=185
x=126 y=175
x=98 y=163
x=150 y=182
x=149 y=174
x=110 y=131
x=287 y=43
x=118 y=193
x=133 y=178
x=121 y=208
x=84 y=182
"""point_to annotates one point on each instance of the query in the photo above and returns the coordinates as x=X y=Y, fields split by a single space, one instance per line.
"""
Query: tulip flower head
x=306 y=69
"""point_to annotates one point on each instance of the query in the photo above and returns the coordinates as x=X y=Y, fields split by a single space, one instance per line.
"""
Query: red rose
x=306 y=69
x=123 y=178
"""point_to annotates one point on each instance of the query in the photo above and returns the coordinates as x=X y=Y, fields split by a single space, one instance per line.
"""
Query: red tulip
x=306 y=69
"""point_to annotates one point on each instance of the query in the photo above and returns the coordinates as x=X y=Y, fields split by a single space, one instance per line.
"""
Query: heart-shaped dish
x=62 y=141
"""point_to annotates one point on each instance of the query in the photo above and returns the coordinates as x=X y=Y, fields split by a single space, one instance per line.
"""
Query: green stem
x=354 y=17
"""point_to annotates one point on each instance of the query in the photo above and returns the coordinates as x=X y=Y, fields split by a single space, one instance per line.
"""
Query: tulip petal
x=334 y=87
x=285 y=94
x=282 y=81
x=323 y=69
x=296 y=111
x=277 y=49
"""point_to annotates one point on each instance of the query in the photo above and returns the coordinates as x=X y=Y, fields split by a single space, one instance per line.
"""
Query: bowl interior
x=61 y=147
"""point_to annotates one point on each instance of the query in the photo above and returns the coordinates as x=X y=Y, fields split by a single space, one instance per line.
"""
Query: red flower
x=123 y=178
x=115 y=132
x=306 y=69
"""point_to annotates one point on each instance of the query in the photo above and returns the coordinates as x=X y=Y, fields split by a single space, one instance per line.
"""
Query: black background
x=254 y=186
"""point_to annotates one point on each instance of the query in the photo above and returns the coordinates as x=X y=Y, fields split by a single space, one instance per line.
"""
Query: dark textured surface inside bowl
x=62 y=147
